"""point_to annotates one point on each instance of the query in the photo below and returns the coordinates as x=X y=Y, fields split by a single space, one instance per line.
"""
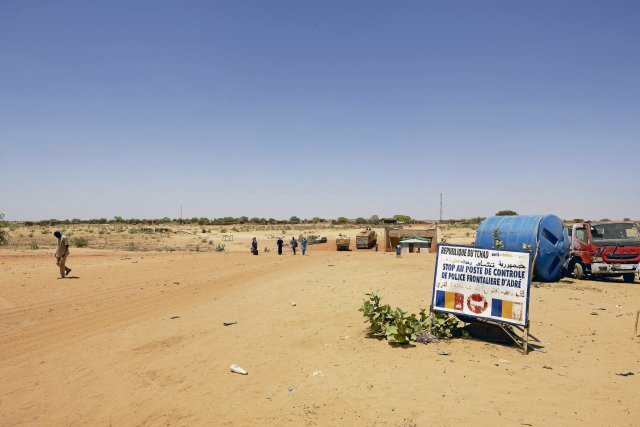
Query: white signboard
x=487 y=283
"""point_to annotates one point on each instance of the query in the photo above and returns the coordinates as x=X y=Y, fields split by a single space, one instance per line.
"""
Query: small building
x=393 y=236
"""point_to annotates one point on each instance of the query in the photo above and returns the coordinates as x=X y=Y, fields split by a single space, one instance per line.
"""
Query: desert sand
x=138 y=338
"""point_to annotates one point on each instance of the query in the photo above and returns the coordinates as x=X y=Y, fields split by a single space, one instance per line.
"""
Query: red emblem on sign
x=476 y=303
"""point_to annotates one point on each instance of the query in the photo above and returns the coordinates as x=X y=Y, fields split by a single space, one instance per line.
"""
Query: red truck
x=605 y=249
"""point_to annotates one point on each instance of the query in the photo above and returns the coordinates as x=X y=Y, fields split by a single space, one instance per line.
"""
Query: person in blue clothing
x=303 y=245
x=398 y=250
x=279 y=243
x=294 y=244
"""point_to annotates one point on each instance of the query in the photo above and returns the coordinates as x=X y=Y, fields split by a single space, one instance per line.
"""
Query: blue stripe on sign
x=496 y=307
x=440 y=298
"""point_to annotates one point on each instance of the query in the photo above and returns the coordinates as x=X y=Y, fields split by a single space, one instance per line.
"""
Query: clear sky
x=319 y=108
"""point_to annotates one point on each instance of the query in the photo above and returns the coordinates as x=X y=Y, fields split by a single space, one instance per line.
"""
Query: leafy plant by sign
x=444 y=325
x=398 y=326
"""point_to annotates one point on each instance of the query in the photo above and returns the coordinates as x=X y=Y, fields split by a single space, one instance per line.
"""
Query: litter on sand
x=238 y=370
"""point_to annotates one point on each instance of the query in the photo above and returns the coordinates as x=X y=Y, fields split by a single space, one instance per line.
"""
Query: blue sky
x=319 y=108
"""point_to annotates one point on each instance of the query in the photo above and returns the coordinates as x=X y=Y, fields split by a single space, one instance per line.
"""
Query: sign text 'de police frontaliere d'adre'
x=488 y=283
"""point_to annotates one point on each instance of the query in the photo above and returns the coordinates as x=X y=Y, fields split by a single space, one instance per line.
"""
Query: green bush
x=4 y=235
x=497 y=241
x=444 y=325
x=397 y=326
x=402 y=218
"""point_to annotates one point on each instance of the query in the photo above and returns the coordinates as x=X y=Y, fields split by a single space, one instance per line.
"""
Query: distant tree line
x=464 y=221
x=227 y=220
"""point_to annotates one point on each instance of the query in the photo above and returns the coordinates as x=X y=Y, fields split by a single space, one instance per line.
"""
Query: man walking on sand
x=279 y=243
x=62 y=251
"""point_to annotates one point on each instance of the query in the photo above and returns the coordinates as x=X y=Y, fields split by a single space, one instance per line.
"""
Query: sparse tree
x=294 y=219
x=118 y=219
x=506 y=213
x=316 y=219
x=342 y=220
x=361 y=220
x=4 y=235
x=374 y=219
x=243 y=219
x=402 y=218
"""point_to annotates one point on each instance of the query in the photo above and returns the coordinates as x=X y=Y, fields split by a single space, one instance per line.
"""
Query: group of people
x=293 y=243
x=62 y=250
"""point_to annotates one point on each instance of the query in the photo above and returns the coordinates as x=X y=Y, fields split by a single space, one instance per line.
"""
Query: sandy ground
x=137 y=338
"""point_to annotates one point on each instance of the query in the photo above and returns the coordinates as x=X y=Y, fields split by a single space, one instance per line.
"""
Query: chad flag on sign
x=506 y=309
x=452 y=300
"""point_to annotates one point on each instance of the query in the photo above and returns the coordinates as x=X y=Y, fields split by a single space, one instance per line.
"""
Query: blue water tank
x=544 y=233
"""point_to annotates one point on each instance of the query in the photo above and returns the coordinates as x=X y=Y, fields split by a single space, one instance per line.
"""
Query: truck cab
x=605 y=249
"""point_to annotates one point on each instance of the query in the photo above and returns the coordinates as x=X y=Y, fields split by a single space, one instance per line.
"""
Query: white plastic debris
x=238 y=370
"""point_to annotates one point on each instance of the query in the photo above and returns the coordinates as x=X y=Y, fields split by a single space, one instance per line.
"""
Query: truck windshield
x=620 y=233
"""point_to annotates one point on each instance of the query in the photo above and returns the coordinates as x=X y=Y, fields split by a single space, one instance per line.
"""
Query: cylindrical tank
x=544 y=233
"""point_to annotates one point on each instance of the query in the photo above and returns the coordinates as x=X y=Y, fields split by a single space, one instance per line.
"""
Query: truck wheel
x=629 y=277
x=578 y=271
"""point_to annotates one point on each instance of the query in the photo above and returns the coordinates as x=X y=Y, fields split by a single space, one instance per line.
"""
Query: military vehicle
x=343 y=242
x=366 y=239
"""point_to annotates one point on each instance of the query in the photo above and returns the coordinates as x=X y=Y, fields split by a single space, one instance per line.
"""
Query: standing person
x=303 y=245
x=62 y=251
x=254 y=246
x=294 y=244
x=398 y=250
x=279 y=243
